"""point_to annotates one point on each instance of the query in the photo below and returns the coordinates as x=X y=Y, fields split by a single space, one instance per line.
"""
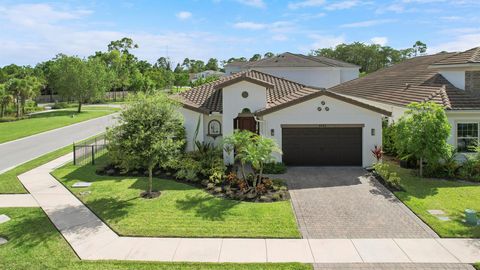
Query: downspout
x=260 y=122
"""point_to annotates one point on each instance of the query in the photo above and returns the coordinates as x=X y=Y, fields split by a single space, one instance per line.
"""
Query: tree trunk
x=242 y=167
x=17 y=107
x=79 y=107
x=23 y=106
x=2 y=110
x=150 y=181
x=421 y=167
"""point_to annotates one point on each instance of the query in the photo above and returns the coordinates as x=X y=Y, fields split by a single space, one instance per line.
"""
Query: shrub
x=394 y=180
x=389 y=177
x=388 y=131
x=470 y=169
x=275 y=168
x=382 y=169
x=60 y=105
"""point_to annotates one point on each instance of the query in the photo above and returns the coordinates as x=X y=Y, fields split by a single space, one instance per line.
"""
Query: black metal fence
x=85 y=152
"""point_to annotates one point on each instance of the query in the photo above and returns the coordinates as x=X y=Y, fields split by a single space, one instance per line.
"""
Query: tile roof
x=294 y=60
x=466 y=57
x=208 y=97
x=281 y=93
x=410 y=81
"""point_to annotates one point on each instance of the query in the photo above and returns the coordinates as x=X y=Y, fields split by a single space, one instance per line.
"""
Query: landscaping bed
x=451 y=197
x=232 y=187
x=182 y=210
x=34 y=243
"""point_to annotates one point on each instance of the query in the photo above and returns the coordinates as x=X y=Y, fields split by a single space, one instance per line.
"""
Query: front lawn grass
x=181 y=210
x=453 y=197
x=34 y=243
x=42 y=122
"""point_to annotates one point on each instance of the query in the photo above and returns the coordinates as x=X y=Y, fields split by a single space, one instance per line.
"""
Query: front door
x=245 y=123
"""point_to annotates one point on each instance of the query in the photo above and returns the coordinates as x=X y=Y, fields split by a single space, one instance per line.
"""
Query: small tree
x=150 y=132
x=422 y=133
x=253 y=149
x=5 y=99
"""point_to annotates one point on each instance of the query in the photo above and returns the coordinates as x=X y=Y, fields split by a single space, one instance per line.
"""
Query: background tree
x=163 y=63
x=15 y=87
x=422 y=133
x=268 y=55
x=5 y=99
x=371 y=57
x=80 y=80
x=255 y=57
x=149 y=134
x=419 y=48
x=212 y=64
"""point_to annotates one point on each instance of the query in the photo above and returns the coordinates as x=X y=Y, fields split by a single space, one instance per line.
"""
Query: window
x=214 y=128
x=467 y=136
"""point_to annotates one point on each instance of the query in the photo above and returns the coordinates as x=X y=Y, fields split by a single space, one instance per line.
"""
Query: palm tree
x=5 y=99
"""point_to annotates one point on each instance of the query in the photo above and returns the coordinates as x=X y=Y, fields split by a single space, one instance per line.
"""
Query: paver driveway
x=341 y=202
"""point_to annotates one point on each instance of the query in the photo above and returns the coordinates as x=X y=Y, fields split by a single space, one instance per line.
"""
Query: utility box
x=471 y=217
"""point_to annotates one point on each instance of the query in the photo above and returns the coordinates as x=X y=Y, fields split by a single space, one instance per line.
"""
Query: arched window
x=214 y=128
x=246 y=110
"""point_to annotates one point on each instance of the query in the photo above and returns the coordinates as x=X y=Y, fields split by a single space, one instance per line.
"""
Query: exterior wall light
x=272 y=132
x=372 y=132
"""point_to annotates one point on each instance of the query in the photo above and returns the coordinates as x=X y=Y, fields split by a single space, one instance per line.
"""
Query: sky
x=35 y=31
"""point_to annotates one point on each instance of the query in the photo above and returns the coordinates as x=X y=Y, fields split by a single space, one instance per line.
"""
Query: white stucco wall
x=234 y=103
x=340 y=113
x=190 y=124
x=206 y=119
x=229 y=70
x=318 y=77
x=456 y=77
x=397 y=111
x=348 y=74
x=460 y=117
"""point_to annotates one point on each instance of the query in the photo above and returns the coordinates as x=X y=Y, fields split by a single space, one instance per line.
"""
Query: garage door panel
x=322 y=146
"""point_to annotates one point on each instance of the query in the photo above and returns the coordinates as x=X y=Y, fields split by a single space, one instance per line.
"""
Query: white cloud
x=280 y=37
x=184 y=15
x=324 y=41
x=253 y=3
x=279 y=26
x=459 y=39
x=31 y=15
x=24 y=42
x=342 y=5
x=306 y=3
x=382 y=41
x=366 y=23
x=250 y=25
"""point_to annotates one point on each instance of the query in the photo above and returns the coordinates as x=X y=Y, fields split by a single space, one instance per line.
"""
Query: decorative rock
x=217 y=189
x=205 y=183
x=81 y=184
x=85 y=193
x=4 y=218
x=265 y=199
x=210 y=186
x=251 y=195
x=436 y=212
x=110 y=172
x=3 y=241
x=442 y=218
x=276 y=197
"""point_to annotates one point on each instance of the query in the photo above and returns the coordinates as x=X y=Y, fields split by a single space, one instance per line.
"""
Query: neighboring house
x=205 y=74
x=449 y=79
x=313 y=126
x=317 y=71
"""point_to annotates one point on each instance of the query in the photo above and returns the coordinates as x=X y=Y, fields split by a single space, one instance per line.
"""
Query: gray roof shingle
x=410 y=81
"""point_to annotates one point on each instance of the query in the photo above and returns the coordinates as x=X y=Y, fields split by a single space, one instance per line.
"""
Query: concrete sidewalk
x=94 y=240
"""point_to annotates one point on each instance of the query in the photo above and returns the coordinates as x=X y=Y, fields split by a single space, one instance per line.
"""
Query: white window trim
x=456 y=132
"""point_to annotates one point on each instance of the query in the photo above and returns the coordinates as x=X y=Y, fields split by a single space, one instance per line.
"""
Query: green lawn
x=47 y=121
x=180 y=211
x=453 y=197
x=477 y=266
x=34 y=243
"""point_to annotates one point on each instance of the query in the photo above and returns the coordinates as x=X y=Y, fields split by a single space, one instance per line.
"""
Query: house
x=313 y=126
x=337 y=126
x=205 y=74
x=317 y=71
x=449 y=79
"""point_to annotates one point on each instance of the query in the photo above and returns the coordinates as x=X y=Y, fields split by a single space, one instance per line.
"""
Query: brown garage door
x=326 y=146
